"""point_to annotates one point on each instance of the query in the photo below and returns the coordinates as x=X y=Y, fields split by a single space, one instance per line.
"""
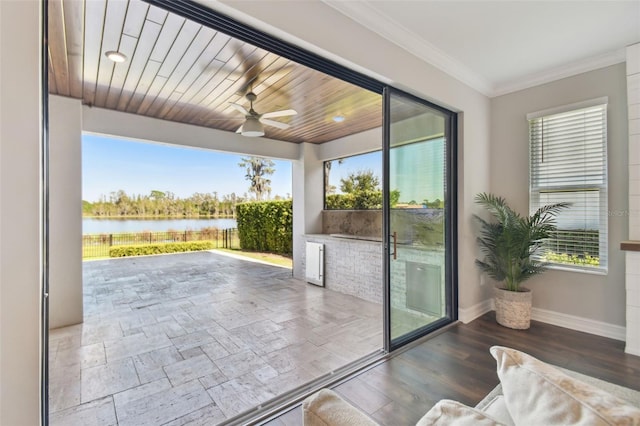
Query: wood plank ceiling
x=181 y=71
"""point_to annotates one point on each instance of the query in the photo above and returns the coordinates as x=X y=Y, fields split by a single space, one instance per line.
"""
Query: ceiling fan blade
x=239 y=108
x=283 y=113
x=273 y=123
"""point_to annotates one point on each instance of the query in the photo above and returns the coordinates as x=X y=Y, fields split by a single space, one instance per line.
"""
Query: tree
x=157 y=195
x=363 y=180
x=328 y=188
x=435 y=204
x=257 y=168
x=361 y=191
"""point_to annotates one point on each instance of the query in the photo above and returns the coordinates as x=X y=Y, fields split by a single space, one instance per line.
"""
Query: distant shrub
x=159 y=248
x=266 y=226
x=572 y=259
x=146 y=236
x=209 y=233
x=174 y=235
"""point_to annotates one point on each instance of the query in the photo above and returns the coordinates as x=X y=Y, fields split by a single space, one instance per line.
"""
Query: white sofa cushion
x=537 y=393
x=325 y=407
x=453 y=413
x=497 y=409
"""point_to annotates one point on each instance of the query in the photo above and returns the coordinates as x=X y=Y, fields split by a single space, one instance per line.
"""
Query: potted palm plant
x=510 y=245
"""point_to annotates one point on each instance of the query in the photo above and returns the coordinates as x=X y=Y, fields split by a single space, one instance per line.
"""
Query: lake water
x=114 y=226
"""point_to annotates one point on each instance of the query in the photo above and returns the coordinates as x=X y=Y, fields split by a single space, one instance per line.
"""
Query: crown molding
x=364 y=13
x=564 y=71
x=368 y=16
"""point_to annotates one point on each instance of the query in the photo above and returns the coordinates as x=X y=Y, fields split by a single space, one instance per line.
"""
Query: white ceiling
x=502 y=46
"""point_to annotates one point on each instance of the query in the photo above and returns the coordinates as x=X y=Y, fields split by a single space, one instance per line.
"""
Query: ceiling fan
x=253 y=125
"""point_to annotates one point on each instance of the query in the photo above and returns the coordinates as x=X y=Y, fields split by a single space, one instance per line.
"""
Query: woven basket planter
x=513 y=308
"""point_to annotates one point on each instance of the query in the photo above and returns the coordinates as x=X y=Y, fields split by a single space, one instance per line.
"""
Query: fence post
x=110 y=240
x=185 y=236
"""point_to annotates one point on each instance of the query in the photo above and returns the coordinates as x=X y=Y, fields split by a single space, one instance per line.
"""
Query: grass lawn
x=276 y=259
x=102 y=253
x=95 y=252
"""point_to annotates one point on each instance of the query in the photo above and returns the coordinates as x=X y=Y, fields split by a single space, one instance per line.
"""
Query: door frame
x=216 y=20
x=451 y=222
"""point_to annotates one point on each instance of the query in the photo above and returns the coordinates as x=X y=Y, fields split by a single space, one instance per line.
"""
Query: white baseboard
x=573 y=322
x=466 y=315
x=632 y=350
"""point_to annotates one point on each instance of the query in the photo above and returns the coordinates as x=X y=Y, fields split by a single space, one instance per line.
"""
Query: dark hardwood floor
x=456 y=364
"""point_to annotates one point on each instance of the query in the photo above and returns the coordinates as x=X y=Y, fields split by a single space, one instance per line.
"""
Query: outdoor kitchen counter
x=352 y=264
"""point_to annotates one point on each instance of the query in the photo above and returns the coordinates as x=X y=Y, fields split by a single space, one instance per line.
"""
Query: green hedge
x=266 y=226
x=160 y=248
x=359 y=200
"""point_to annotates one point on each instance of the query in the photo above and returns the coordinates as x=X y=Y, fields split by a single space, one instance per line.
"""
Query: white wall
x=308 y=185
x=360 y=143
x=65 y=211
x=316 y=26
x=633 y=258
x=595 y=298
x=20 y=265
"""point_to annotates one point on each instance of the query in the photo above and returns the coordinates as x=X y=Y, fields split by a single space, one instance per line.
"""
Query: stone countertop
x=347 y=237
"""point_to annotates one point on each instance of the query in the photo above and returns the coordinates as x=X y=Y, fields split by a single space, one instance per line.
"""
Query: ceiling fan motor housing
x=251 y=97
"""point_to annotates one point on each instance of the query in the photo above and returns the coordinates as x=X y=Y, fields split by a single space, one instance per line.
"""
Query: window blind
x=568 y=163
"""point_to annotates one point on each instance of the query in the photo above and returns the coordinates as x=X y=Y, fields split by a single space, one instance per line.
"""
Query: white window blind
x=568 y=163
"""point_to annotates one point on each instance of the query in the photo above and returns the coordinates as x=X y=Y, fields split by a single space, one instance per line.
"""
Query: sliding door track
x=281 y=404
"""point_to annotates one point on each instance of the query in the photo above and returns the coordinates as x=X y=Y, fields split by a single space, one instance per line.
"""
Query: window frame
x=602 y=188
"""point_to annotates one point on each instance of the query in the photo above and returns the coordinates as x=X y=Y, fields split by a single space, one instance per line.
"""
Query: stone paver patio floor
x=197 y=338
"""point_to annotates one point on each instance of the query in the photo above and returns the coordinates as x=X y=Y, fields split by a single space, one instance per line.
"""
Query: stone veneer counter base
x=351 y=266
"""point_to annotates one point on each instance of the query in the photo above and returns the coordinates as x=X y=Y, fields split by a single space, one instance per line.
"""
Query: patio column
x=65 y=211
x=308 y=181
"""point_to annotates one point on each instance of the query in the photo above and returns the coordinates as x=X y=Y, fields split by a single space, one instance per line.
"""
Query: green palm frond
x=509 y=242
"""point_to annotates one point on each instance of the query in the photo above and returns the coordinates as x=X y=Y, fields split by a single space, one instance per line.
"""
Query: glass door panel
x=417 y=217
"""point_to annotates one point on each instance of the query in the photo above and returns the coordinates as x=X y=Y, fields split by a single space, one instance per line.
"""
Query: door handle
x=395 y=245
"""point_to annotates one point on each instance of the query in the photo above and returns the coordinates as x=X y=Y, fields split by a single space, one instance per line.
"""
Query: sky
x=111 y=164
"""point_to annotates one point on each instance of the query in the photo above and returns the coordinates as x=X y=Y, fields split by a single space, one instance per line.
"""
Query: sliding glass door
x=419 y=217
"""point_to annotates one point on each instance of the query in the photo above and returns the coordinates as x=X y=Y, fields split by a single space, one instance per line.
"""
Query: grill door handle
x=395 y=245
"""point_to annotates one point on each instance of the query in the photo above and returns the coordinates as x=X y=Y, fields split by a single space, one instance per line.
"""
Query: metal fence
x=98 y=245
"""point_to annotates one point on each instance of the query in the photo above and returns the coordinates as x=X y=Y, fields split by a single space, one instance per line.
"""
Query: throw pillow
x=539 y=394
x=453 y=413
